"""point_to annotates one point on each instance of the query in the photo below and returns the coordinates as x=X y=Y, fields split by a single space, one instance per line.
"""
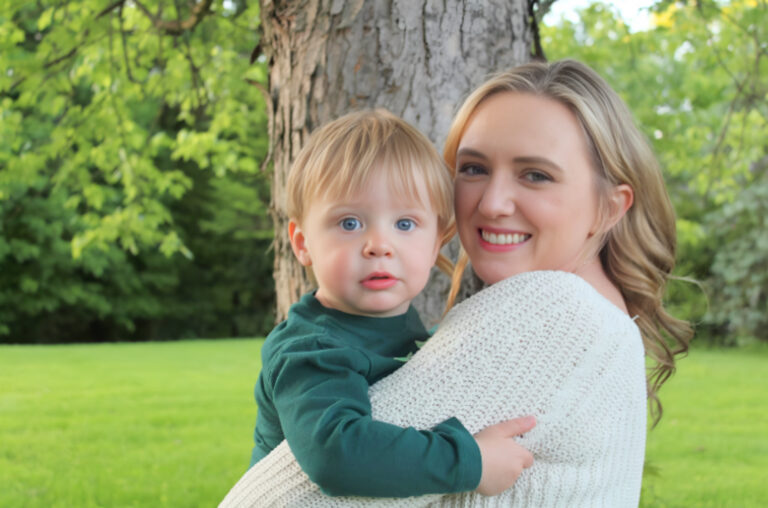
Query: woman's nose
x=377 y=244
x=498 y=198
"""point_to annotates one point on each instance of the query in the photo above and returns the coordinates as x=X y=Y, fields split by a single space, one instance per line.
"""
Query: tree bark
x=416 y=58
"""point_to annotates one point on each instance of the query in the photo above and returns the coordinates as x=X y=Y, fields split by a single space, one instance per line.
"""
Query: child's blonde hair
x=340 y=157
x=638 y=253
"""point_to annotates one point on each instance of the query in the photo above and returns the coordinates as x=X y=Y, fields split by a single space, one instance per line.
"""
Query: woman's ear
x=298 y=243
x=620 y=200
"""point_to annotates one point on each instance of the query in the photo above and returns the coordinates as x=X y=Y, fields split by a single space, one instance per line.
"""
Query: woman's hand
x=503 y=459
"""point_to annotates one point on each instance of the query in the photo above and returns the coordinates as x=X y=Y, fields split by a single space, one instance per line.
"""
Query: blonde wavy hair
x=638 y=253
x=340 y=157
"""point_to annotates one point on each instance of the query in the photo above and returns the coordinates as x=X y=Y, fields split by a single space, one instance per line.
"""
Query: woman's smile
x=526 y=195
x=495 y=239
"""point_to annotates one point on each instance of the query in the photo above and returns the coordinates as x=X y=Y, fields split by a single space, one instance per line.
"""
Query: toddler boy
x=370 y=204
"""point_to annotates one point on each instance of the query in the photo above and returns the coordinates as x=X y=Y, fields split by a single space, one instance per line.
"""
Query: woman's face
x=525 y=187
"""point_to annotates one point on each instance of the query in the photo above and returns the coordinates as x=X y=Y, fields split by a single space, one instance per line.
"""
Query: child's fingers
x=526 y=457
x=521 y=455
x=516 y=426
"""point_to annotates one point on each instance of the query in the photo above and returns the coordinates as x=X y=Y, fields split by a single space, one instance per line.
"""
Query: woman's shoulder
x=556 y=294
x=543 y=279
x=546 y=285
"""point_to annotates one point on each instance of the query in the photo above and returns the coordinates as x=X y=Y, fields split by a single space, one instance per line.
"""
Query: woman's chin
x=491 y=275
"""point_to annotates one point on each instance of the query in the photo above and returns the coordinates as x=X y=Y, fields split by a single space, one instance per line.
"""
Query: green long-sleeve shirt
x=317 y=367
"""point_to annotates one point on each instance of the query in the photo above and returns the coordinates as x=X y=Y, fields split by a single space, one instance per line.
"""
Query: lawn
x=711 y=447
x=169 y=424
x=125 y=425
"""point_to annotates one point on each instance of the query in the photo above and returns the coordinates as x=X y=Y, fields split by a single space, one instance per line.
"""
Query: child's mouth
x=379 y=280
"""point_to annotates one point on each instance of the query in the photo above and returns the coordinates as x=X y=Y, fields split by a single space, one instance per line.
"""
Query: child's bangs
x=406 y=170
x=413 y=166
x=407 y=176
x=347 y=174
x=401 y=180
x=346 y=153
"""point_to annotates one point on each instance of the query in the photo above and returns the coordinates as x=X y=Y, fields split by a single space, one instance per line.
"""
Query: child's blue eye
x=405 y=224
x=350 y=224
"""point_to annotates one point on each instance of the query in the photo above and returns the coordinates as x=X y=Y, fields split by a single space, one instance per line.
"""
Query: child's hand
x=503 y=458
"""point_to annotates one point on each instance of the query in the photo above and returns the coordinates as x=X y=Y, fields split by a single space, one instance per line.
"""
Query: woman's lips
x=497 y=240
x=379 y=280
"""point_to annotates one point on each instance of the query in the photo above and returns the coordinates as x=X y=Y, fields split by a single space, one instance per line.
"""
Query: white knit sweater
x=541 y=343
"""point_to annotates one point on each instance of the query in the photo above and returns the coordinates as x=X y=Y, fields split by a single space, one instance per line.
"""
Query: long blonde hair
x=638 y=253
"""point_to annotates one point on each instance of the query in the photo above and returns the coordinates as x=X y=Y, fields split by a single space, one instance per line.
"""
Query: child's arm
x=321 y=393
x=278 y=480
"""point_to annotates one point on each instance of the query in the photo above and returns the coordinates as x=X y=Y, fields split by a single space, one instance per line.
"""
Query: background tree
x=416 y=58
x=131 y=202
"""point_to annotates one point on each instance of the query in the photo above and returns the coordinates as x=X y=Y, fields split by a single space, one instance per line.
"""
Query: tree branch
x=542 y=8
x=194 y=70
x=177 y=27
x=72 y=52
x=534 y=19
x=125 y=48
x=110 y=8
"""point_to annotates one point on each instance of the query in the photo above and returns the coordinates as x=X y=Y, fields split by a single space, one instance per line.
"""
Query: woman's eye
x=350 y=224
x=536 y=176
x=405 y=224
x=472 y=169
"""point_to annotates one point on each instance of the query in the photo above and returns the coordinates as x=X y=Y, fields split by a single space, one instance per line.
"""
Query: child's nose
x=377 y=245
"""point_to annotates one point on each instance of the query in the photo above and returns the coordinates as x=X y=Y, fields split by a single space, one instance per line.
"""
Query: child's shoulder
x=288 y=337
x=291 y=355
x=297 y=335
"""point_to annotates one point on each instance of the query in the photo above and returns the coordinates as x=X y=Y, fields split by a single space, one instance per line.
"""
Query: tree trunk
x=416 y=58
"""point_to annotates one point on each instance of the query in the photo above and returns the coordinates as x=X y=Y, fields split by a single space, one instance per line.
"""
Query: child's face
x=371 y=253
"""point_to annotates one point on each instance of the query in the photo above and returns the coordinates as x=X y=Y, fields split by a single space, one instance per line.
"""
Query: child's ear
x=298 y=243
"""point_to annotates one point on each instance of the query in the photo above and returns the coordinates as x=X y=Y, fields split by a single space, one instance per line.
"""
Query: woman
x=561 y=208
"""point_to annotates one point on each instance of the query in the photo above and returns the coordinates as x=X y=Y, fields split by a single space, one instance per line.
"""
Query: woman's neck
x=592 y=271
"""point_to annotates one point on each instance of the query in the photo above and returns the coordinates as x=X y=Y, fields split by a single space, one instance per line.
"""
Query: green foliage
x=131 y=199
x=697 y=83
x=740 y=268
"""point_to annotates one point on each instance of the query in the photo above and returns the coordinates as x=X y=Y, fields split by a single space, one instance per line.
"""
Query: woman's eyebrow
x=470 y=152
x=532 y=159
x=525 y=159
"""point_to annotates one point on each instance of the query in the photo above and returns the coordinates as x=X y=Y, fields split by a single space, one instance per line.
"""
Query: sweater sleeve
x=321 y=394
x=542 y=343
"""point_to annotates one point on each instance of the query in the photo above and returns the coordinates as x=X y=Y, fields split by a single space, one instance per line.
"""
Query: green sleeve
x=322 y=398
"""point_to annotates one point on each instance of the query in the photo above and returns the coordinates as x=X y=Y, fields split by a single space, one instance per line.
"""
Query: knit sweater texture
x=541 y=343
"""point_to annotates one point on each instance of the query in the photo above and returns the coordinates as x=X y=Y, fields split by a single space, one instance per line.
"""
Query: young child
x=370 y=204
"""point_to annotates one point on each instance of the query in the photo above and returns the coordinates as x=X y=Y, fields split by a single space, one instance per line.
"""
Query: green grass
x=170 y=424
x=711 y=447
x=121 y=425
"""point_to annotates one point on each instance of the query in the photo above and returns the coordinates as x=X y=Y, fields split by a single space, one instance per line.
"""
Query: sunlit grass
x=162 y=424
x=170 y=425
x=711 y=447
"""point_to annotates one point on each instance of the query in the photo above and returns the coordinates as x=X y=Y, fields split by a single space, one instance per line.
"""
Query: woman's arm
x=542 y=343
